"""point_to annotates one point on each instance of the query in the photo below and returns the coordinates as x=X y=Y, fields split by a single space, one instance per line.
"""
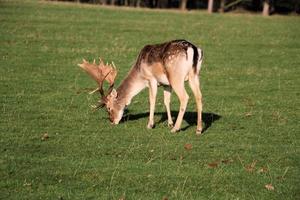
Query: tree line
x=267 y=7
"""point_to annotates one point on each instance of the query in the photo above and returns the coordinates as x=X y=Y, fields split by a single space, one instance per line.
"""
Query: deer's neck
x=130 y=87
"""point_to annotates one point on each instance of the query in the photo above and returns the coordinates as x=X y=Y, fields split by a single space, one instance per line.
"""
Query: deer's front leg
x=152 y=98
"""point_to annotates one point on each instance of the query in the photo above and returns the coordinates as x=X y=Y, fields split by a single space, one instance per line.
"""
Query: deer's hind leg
x=195 y=86
x=167 y=100
x=177 y=84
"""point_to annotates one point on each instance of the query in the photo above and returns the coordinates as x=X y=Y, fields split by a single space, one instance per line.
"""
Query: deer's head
x=108 y=99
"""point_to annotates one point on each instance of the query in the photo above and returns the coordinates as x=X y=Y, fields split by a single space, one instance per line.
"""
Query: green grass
x=250 y=78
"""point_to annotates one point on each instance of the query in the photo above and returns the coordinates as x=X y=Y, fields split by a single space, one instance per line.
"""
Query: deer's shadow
x=190 y=117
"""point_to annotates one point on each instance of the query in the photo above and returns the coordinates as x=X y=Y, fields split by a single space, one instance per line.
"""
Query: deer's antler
x=100 y=73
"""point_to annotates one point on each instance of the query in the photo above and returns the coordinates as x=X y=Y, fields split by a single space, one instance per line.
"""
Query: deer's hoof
x=150 y=126
x=170 y=125
x=198 y=132
x=174 y=130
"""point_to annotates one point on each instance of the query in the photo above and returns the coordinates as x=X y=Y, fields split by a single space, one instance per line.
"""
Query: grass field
x=250 y=83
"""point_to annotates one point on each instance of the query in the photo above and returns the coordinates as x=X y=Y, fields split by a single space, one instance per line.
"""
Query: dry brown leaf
x=227 y=161
x=263 y=170
x=213 y=164
x=165 y=198
x=248 y=114
x=251 y=167
x=188 y=146
x=269 y=187
x=45 y=136
x=27 y=184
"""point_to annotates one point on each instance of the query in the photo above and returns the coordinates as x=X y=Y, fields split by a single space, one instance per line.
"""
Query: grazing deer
x=168 y=64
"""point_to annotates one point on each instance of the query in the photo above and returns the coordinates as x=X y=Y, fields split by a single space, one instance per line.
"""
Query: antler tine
x=101 y=85
x=94 y=62
x=111 y=87
x=100 y=61
x=97 y=106
x=95 y=90
x=114 y=70
x=103 y=77
x=113 y=64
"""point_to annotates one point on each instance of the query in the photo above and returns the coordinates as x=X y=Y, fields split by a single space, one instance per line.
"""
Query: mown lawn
x=250 y=83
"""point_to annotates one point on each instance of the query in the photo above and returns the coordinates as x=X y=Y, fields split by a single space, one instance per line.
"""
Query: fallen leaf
x=26 y=184
x=269 y=187
x=248 y=114
x=188 y=146
x=213 y=164
x=263 y=170
x=45 y=136
x=251 y=167
x=227 y=161
x=165 y=198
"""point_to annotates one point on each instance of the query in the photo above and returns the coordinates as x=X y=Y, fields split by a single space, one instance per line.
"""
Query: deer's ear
x=114 y=93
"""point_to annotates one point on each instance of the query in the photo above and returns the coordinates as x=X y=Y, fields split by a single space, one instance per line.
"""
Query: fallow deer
x=168 y=64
